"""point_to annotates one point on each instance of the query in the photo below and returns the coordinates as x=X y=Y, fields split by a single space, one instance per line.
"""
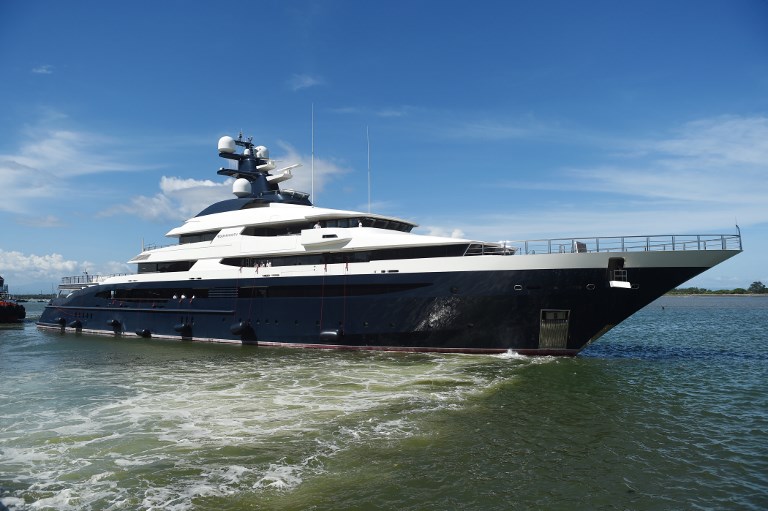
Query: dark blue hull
x=530 y=311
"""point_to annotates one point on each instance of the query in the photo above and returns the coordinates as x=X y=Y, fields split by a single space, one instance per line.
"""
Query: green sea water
x=667 y=411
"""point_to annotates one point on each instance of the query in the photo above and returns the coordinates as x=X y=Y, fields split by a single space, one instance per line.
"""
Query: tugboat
x=269 y=268
x=10 y=310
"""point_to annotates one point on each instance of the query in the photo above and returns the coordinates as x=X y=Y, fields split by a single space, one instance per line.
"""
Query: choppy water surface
x=667 y=411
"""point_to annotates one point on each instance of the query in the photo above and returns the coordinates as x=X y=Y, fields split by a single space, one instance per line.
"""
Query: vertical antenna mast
x=312 y=194
x=368 y=140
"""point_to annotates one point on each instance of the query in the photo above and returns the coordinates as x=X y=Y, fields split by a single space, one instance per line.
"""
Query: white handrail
x=672 y=242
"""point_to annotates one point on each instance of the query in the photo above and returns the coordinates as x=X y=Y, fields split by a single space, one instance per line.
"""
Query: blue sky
x=489 y=120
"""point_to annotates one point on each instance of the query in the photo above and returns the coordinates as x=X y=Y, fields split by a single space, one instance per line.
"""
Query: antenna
x=312 y=194
x=368 y=140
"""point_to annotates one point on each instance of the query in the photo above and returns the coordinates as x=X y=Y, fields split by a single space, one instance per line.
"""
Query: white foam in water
x=512 y=355
x=12 y=503
x=189 y=423
x=233 y=474
x=280 y=477
x=63 y=500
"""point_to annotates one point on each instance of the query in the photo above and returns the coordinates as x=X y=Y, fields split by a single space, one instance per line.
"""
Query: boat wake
x=152 y=427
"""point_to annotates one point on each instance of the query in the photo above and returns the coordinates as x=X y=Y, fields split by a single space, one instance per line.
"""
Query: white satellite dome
x=226 y=145
x=241 y=187
x=261 y=152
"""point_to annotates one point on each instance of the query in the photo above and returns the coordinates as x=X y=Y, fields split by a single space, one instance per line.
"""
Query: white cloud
x=178 y=199
x=380 y=206
x=20 y=183
x=115 y=267
x=401 y=111
x=445 y=232
x=45 y=69
x=32 y=273
x=176 y=184
x=326 y=169
x=392 y=112
x=181 y=198
x=158 y=207
x=703 y=177
x=717 y=163
x=47 y=221
x=347 y=110
x=303 y=81
x=720 y=141
x=18 y=261
x=38 y=170
x=68 y=153
x=19 y=268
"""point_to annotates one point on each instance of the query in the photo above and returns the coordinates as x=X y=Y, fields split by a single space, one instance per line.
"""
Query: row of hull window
x=145 y=295
x=296 y=228
x=362 y=256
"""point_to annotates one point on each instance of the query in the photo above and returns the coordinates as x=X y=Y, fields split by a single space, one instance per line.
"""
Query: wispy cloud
x=22 y=184
x=45 y=69
x=178 y=199
x=704 y=175
x=69 y=153
x=400 y=111
x=304 y=81
x=46 y=221
x=37 y=170
x=434 y=230
x=493 y=129
x=326 y=169
x=720 y=162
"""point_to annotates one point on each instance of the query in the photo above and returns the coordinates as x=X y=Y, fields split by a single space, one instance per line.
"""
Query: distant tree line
x=756 y=288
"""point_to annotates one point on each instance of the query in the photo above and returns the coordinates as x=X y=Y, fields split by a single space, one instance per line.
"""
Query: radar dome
x=262 y=152
x=226 y=145
x=241 y=187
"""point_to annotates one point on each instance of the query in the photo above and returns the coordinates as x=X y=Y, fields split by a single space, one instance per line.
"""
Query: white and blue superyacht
x=268 y=268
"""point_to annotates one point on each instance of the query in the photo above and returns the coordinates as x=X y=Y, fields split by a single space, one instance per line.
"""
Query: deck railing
x=86 y=279
x=674 y=242
x=155 y=246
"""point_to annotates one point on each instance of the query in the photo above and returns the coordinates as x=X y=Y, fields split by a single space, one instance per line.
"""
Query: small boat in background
x=10 y=310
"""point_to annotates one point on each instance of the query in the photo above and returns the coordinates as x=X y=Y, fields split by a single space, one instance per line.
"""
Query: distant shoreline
x=686 y=295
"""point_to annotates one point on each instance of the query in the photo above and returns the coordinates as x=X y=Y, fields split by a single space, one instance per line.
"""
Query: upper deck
x=581 y=245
